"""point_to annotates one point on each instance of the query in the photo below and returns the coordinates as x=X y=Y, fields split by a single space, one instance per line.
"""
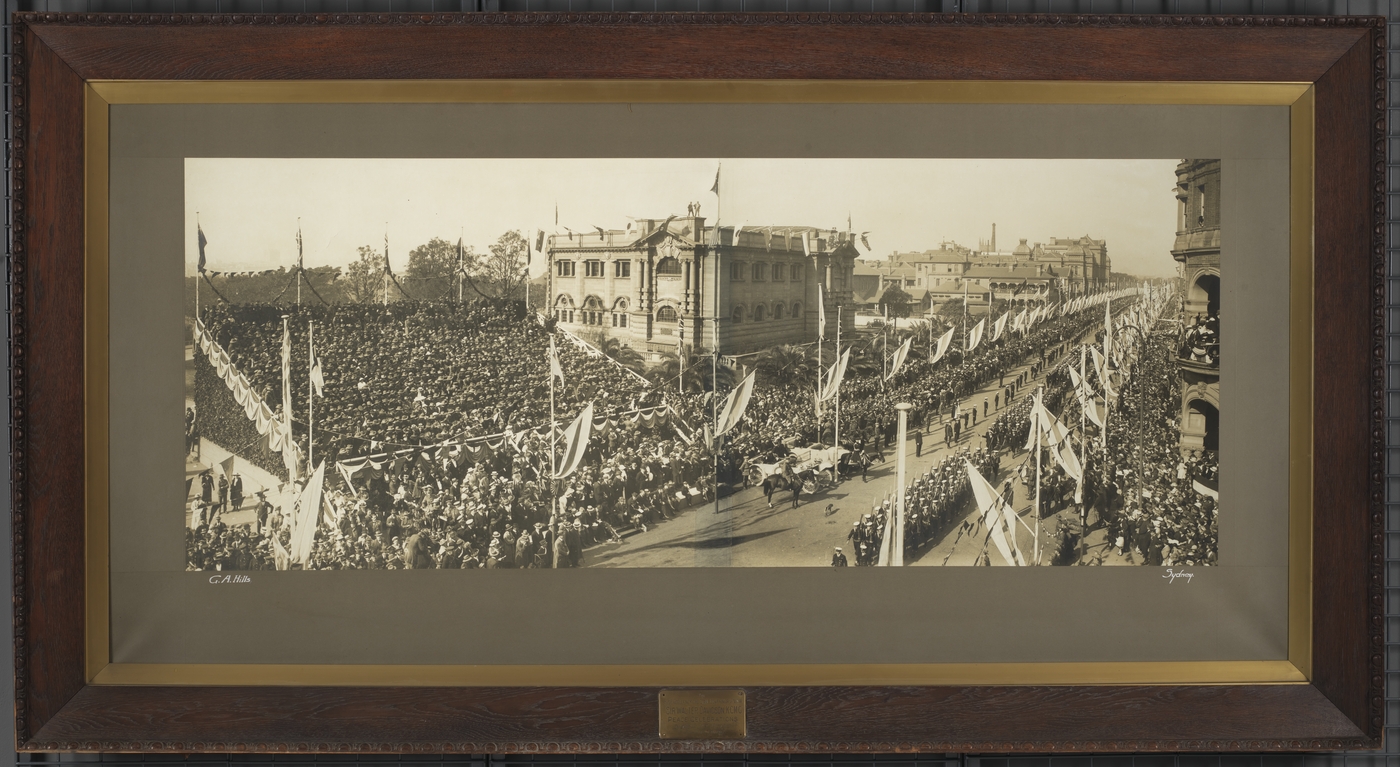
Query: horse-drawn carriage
x=816 y=467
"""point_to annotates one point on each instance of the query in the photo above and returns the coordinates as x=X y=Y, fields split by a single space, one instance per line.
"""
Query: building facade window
x=592 y=268
x=736 y=271
x=667 y=314
x=564 y=268
x=592 y=311
x=777 y=311
x=796 y=309
x=739 y=314
x=622 y=269
x=760 y=272
x=668 y=266
x=796 y=271
x=619 y=313
x=759 y=313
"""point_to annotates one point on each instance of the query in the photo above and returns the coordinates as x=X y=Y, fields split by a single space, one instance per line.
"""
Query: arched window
x=593 y=311
x=777 y=309
x=759 y=312
x=619 y=313
x=796 y=309
x=668 y=265
x=564 y=308
x=667 y=314
x=739 y=313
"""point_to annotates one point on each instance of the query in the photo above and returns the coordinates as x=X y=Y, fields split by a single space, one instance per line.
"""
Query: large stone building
x=653 y=285
x=1197 y=249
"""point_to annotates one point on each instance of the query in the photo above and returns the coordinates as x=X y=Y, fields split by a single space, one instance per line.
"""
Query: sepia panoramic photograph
x=396 y=364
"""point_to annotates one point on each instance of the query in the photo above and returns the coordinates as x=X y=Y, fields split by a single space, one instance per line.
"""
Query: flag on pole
x=226 y=466
x=1087 y=401
x=735 y=405
x=299 y=255
x=539 y=240
x=806 y=246
x=554 y=368
x=997 y=515
x=305 y=511
x=575 y=443
x=202 y=243
x=976 y=336
x=943 y=342
x=899 y=356
x=821 y=312
x=715 y=188
x=289 y=454
x=835 y=373
x=461 y=257
x=1107 y=329
x=318 y=381
x=387 y=267
x=864 y=241
x=1000 y=325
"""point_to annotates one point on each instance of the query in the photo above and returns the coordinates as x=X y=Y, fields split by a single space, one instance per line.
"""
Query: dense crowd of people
x=427 y=376
x=1201 y=340
x=426 y=379
x=782 y=412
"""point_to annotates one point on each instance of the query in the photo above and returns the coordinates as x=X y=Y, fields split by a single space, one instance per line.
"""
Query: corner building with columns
x=1197 y=249
x=663 y=282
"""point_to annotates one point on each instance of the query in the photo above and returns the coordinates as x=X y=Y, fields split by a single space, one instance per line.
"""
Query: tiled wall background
x=1388 y=757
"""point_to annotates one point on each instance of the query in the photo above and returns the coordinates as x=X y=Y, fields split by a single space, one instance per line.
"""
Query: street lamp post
x=897 y=547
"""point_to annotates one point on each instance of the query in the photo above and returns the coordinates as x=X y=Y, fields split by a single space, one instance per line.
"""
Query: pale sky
x=249 y=208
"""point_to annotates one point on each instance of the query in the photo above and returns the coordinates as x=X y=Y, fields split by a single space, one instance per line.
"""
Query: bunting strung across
x=996 y=515
x=575 y=443
x=899 y=356
x=943 y=342
x=1020 y=322
x=835 y=373
x=735 y=405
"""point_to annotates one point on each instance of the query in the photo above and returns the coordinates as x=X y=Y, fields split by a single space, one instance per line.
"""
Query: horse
x=772 y=484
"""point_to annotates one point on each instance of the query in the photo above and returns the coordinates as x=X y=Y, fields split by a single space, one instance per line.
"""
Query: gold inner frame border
x=100 y=95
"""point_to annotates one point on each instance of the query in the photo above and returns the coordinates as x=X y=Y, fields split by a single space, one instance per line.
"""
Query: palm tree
x=787 y=363
x=622 y=354
x=699 y=373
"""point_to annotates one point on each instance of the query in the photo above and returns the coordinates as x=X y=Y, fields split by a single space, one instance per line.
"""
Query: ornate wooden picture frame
x=1332 y=697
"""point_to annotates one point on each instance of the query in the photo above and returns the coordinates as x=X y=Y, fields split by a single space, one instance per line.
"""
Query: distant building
x=1029 y=274
x=653 y=285
x=1197 y=249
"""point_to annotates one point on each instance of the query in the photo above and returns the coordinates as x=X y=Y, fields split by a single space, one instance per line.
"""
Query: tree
x=503 y=273
x=622 y=354
x=432 y=269
x=784 y=363
x=363 y=282
x=897 y=300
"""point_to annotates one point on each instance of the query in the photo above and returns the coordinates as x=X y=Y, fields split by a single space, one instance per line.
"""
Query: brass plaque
x=701 y=714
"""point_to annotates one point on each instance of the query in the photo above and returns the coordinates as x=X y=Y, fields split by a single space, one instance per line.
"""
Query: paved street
x=745 y=532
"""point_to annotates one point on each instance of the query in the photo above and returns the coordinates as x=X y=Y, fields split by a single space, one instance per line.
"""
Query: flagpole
x=1035 y=425
x=1083 y=459
x=714 y=371
x=299 y=270
x=386 y=263
x=310 y=391
x=836 y=437
x=553 y=462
